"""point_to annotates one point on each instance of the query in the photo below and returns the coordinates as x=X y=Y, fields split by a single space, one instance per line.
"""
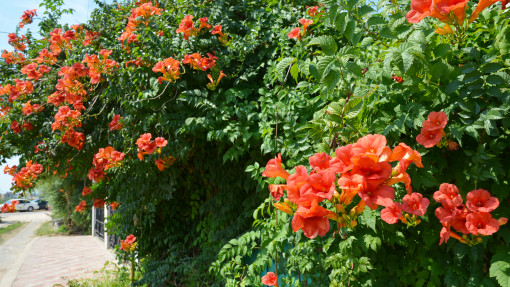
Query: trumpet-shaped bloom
x=429 y=138
x=295 y=33
x=481 y=223
x=392 y=213
x=270 y=279
x=320 y=161
x=318 y=186
x=448 y=195
x=481 y=200
x=312 y=220
x=383 y=195
x=276 y=191
x=414 y=203
x=274 y=168
x=435 y=121
x=482 y=4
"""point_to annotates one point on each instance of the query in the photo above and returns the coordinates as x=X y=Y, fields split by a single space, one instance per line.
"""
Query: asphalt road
x=14 y=251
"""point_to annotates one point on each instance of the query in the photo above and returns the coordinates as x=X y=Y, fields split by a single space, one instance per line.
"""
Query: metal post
x=93 y=221
x=106 y=214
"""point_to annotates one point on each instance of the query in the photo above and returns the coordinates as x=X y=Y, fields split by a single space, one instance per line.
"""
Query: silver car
x=24 y=205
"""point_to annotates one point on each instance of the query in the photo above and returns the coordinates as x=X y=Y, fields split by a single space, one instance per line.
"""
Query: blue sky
x=10 y=16
x=11 y=11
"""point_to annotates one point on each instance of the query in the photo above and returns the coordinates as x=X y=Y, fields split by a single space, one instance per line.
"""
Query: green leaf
x=369 y=218
x=492 y=67
x=349 y=30
x=468 y=68
x=364 y=10
x=442 y=49
x=500 y=268
x=314 y=71
x=386 y=33
x=366 y=42
x=347 y=51
x=353 y=108
x=327 y=43
x=376 y=20
x=354 y=69
x=294 y=72
x=281 y=68
x=324 y=65
x=340 y=21
x=332 y=78
x=381 y=3
x=352 y=3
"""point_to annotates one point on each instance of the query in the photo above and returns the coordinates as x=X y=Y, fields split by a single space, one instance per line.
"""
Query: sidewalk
x=54 y=260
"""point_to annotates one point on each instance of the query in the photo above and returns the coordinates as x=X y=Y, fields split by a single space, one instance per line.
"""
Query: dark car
x=42 y=203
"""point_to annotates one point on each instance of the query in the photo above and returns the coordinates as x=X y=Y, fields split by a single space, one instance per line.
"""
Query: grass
x=10 y=231
x=110 y=275
x=46 y=229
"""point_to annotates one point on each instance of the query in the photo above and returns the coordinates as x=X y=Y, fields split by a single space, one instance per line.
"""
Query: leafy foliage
x=339 y=82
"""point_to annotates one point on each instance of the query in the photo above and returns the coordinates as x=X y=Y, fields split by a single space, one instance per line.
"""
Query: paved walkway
x=54 y=260
x=29 y=261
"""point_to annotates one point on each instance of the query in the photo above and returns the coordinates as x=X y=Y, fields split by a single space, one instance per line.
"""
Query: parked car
x=43 y=204
x=24 y=205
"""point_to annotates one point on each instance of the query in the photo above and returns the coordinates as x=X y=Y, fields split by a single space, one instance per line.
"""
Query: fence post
x=93 y=221
x=106 y=214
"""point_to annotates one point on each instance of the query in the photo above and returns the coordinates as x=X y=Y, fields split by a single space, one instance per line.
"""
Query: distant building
x=8 y=195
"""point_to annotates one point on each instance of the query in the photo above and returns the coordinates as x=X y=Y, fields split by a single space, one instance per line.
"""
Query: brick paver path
x=53 y=260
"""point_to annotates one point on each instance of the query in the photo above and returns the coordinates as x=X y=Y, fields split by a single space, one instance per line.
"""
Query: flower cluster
x=472 y=218
x=59 y=40
x=4 y=110
x=86 y=191
x=69 y=88
x=114 y=205
x=129 y=243
x=170 y=69
x=146 y=146
x=35 y=71
x=37 y=147
x=9 y=207
x=137 y=63
x=363 y=169
x=19 y=43
x=187 y=27
x=81 y=207
x=16 y=91
x=98 y=67
x=90 y=37
x=270 y=279
x=218 y=30
x=13 y=57
x=66 y=118
x=98 y=203
x=198 y=63
x=213 y=84
x=114 y=124
x=314 y=11
x=432 y=130
x=105 y=159
x=139 y=15
x=47 y=57
x=10 y=170
x=296 y=32
x=27 y=17
x=25 y=177
x=164 y=162
x=28 y=108
x=447 y=11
